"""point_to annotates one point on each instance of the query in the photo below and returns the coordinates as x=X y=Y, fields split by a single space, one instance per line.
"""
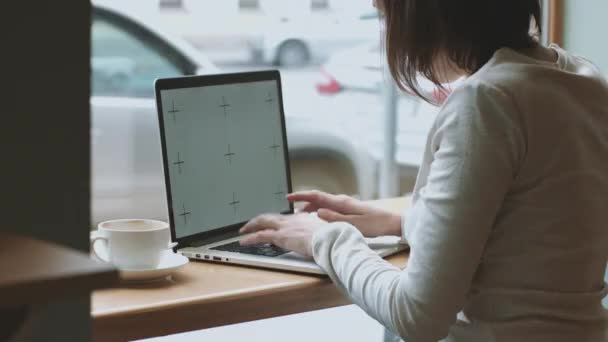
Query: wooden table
x=34 y=271
x=204 y=295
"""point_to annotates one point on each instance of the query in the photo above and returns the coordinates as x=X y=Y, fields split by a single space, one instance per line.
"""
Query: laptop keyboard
x=264 y=250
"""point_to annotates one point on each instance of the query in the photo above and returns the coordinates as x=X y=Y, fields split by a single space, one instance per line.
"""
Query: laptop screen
x=225 y=154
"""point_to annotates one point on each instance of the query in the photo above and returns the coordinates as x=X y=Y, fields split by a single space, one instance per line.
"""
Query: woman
x=508 y=228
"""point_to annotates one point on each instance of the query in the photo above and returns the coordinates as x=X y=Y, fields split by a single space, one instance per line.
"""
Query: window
x=319 y=5
x=370 y=16
x=124 y=64
x=249 y=4
x=171 y=4
x=331 y=63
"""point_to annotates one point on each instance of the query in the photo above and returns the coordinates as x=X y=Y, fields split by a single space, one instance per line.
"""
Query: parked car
x=361 y=69
x=359 y=72
x=112 y=74
x=296 y=41
x=127 y=177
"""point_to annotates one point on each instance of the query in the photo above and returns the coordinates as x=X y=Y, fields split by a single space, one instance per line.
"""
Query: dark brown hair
x=466 y=33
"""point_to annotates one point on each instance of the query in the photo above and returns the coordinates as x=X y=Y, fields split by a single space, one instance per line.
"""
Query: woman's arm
x=478 y=148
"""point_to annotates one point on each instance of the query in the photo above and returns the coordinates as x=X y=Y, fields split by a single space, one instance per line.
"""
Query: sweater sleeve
x=476 y=149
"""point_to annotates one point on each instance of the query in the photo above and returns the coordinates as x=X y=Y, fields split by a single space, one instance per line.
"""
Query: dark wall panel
x=44 y=105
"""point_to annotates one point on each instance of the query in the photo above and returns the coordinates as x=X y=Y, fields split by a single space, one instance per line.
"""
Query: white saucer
x=169 y=263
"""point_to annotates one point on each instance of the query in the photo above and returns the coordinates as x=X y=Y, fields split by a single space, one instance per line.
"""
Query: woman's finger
x=310 y=208
x=262 y=222
x=306 y=196
x=338 y=203
x=259 y=238
x=312 y=199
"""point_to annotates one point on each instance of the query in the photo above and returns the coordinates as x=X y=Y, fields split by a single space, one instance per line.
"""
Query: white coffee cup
x=133 y=244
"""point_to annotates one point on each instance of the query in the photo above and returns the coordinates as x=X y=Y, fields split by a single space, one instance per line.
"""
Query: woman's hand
x=291 y=232
x=371 y=221
x=295 y=232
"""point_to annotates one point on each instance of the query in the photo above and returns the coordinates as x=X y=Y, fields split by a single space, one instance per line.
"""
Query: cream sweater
x=509 y=226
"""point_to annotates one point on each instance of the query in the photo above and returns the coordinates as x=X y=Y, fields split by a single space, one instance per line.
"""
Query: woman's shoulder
x=514 y=71
x=484 y=108
x=478 y=95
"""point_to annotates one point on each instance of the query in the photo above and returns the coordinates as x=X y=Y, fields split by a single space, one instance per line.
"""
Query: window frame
x=320 y=5
x=171 y=5
x=556 y=21
x=250 y=5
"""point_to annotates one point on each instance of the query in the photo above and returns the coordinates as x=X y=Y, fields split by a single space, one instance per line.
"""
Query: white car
x=127 y=176
x=296 y=41
x=359 y=68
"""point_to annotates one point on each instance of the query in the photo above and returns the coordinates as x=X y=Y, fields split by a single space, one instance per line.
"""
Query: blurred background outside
x=330 y=56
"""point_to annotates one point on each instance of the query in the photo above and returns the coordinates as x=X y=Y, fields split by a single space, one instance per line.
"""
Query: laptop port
x=207 y=257
x=217 y=258
x=198 y=256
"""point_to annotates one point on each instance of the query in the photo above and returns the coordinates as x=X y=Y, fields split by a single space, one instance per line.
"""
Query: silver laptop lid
x=225 y=154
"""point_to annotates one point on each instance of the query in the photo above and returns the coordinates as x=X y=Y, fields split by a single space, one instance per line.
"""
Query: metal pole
x=544 y=24
x=389 y=185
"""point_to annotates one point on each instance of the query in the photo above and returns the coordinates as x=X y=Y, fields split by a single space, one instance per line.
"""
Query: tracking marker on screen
x=224 y=105
x=275 y=147
x=269 y=99
x=229 y=155
x=234 y=202
x=173 y=110
x=185 y=213
x=179 y=163
x=279 y=192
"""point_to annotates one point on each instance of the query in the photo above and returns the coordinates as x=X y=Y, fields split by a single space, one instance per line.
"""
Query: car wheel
x=293 y=53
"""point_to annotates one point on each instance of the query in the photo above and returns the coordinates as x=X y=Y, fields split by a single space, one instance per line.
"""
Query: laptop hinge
x=212 y=239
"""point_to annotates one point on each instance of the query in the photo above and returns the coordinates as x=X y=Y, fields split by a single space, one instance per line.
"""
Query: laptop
x=226 y=161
